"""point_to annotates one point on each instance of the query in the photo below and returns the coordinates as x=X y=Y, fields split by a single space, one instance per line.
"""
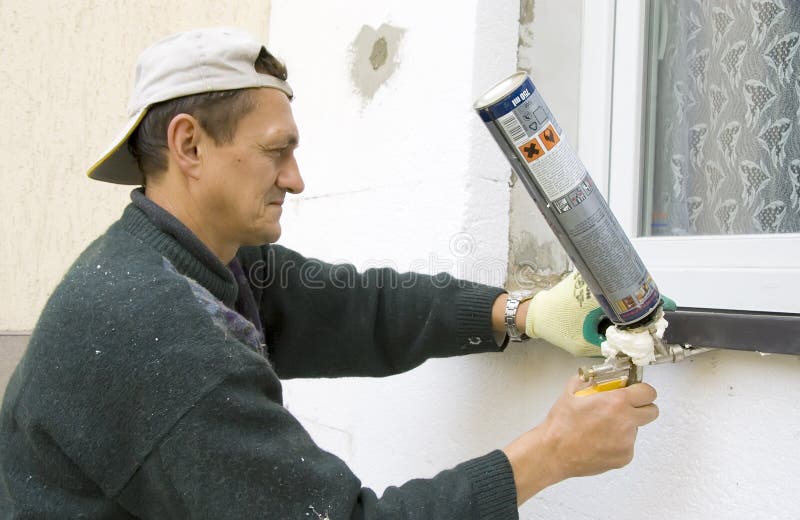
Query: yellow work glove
x=566 y=316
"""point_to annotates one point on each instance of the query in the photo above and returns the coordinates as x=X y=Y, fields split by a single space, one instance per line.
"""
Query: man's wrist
x=499 y=313
x=531 y=462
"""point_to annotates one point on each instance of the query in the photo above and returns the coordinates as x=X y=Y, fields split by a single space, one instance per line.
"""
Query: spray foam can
x=557 y=181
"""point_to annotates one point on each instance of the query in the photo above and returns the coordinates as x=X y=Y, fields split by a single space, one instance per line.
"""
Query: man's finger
x=641 y=394
x=645 y=414
x=575 y=383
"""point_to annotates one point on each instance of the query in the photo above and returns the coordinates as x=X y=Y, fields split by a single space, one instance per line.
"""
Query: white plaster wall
x=64 y=84
x=408 y=178
x=390 y=183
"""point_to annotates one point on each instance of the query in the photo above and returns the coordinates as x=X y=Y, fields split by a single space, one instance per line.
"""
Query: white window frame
x=721 y=272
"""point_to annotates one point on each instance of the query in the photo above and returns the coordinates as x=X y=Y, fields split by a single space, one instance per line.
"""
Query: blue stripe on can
x=506 y=104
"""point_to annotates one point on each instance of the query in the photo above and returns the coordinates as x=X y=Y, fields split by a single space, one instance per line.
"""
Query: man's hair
x=217 y=112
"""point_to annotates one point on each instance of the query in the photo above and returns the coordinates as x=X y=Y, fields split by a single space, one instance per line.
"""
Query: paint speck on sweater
x=320 y=516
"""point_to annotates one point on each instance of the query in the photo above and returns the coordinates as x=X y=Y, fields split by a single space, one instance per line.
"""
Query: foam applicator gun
x=629 y=350
x=622 y=370
x=763 y=332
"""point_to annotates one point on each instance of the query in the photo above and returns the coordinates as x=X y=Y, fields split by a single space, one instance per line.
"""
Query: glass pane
x=724 y=118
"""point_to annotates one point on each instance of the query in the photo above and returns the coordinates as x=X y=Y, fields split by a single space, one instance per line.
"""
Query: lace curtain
x=727 y=157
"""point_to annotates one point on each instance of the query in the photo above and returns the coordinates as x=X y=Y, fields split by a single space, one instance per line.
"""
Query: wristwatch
x=512 y=304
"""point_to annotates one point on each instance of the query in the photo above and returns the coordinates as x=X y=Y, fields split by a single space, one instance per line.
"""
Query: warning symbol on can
x=625 y=304
x=549 y=137
x=532 y=150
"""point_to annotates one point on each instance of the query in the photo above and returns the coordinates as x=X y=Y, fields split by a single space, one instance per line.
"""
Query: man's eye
x=275 y=152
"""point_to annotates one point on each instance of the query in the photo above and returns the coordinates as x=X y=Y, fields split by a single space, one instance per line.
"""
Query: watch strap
x=512 y=306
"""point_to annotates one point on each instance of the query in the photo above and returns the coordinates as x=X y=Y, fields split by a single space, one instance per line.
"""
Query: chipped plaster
x=549 y=53
x=374 y=58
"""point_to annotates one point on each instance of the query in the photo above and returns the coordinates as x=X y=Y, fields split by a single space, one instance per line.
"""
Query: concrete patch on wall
x=525 y=42
x=374 y=58
x=550 y=53
x=535 y=262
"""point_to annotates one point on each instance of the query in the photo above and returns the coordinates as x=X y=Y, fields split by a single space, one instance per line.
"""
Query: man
x=150 y=387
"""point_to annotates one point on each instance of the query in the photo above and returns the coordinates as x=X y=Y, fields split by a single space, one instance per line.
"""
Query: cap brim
x=117 y=164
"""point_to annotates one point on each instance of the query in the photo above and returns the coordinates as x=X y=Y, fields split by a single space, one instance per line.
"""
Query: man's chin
x=264 y=236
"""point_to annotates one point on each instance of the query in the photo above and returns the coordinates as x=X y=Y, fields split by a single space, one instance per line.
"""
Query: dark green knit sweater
x=144 y=395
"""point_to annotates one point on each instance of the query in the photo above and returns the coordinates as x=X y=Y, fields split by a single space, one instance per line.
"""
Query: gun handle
x=604 y=386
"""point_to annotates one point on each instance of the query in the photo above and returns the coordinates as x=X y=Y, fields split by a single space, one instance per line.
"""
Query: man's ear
x=183 y=136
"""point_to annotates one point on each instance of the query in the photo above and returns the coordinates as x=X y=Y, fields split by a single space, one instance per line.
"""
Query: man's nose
x=290 y=178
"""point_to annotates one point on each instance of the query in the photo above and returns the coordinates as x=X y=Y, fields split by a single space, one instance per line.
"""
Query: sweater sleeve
x=239 y=454
x=329 y=320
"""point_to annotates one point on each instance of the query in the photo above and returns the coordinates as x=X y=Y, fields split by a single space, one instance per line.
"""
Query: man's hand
x=580 y=436
x=563 y=316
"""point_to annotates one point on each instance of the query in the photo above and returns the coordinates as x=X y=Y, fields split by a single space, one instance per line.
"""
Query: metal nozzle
x=593 y=372
x=614 y=368
x=676 y=353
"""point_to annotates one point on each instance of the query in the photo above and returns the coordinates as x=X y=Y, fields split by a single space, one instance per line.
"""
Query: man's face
x=244 y=182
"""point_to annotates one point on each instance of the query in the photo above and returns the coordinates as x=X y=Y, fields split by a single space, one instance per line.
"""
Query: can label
x=627 y=292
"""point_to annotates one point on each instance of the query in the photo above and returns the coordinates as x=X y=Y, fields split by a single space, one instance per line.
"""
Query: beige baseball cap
x=191 y=62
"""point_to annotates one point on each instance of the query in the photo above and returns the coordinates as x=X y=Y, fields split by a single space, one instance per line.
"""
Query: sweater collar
x=166 y=234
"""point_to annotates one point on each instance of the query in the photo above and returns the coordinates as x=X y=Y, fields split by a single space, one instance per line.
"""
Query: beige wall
x=64 y=80
x=11 y=348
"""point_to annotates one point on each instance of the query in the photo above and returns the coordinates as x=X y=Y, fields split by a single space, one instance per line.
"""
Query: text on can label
x=522 y=97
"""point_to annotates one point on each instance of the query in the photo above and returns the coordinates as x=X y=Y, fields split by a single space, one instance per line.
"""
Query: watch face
x=520 y=295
